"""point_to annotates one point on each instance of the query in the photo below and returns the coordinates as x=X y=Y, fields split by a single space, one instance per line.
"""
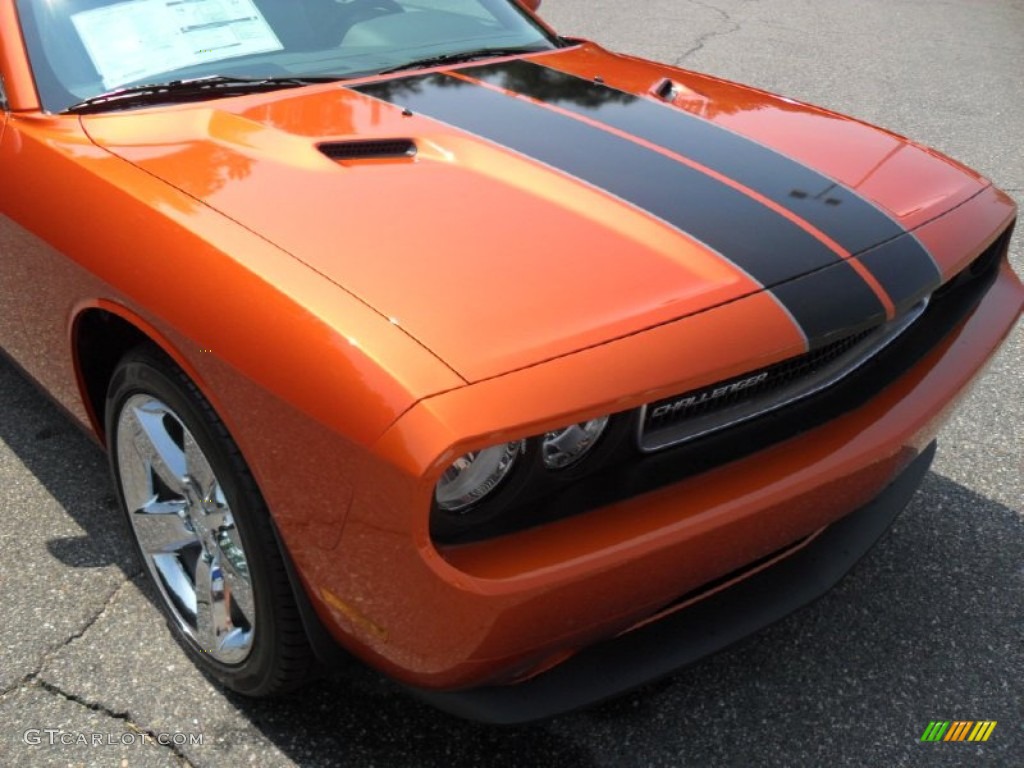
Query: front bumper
x=657 y=649
x=495 y=611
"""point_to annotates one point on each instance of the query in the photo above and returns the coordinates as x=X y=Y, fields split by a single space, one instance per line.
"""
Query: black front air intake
x=373 y=149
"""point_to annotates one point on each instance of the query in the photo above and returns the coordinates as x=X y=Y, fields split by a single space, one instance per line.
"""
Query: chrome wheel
x=185 y=529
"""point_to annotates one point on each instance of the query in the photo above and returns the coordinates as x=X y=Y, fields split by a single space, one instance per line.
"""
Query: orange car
x=524 y=371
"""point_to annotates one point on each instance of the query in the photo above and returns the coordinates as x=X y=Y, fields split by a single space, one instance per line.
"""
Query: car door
x=11 y=326
x=38 y=204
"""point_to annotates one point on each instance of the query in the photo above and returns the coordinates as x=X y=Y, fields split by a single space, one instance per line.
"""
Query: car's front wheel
x=202 y=529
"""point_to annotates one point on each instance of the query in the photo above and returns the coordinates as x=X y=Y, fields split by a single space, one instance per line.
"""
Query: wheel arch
x=102 y=332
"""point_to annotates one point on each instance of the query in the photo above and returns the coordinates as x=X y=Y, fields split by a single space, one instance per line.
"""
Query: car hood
x=510 y=213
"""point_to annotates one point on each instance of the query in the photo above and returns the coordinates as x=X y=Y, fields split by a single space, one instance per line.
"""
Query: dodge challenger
x=521 y=370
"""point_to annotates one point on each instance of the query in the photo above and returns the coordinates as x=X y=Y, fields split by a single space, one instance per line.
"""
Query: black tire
x=264 y=654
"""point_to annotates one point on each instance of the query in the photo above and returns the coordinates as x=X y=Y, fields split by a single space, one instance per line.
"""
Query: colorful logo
x=958 y=730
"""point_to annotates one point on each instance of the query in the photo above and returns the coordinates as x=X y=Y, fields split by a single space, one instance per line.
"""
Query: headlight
x=564 y=447
x=475 y=475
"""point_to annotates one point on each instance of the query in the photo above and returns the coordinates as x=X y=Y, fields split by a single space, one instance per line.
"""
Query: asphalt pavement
x=929 y=626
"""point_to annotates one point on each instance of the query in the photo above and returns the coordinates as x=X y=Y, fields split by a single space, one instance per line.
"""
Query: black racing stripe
x=831 y=303
x=853 y=222
x=835 y=210
x=766 y=245
x=897 y=265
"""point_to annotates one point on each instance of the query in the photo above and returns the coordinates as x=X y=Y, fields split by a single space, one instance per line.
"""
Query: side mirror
x=532 y=5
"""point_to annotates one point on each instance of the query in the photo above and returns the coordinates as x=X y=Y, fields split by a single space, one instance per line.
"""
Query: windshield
x=80 y=49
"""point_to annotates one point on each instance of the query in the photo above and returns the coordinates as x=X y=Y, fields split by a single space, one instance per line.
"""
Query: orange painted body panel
x=370 y=227
x=952 y=245
x=318 y=366
x=178 y=239
x=913 y=183
x=340 y=319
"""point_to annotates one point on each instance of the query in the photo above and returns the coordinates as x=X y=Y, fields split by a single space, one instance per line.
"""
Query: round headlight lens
x=473 y=476
x=564 y=447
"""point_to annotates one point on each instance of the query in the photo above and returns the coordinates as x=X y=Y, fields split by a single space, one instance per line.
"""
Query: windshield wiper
x=188 y=90
x=461 y=56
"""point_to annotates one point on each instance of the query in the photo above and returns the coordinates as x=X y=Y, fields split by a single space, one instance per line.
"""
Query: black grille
x=700 y=412
x=675 y=410
x=369 y=150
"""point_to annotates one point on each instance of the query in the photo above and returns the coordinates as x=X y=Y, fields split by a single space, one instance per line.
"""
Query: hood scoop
x=372 y=149
x=674 y=92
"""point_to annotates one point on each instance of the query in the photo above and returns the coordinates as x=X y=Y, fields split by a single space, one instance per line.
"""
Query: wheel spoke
x=213 y=614
x=156 y=447
x=155 y=506
x=198 y=469
x=217 y=515
x=174 y=579
x=136 y=478
x=159 y=528
x=236 y=576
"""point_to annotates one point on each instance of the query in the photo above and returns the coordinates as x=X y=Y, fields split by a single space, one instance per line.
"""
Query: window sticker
x=136 y=40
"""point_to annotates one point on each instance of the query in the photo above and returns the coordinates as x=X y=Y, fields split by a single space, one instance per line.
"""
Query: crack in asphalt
x=702 y=40
x=90 y=622
x=26 y=680
x=124 y=717
x=76 y=635
x=16 y=687
x=35 y=679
